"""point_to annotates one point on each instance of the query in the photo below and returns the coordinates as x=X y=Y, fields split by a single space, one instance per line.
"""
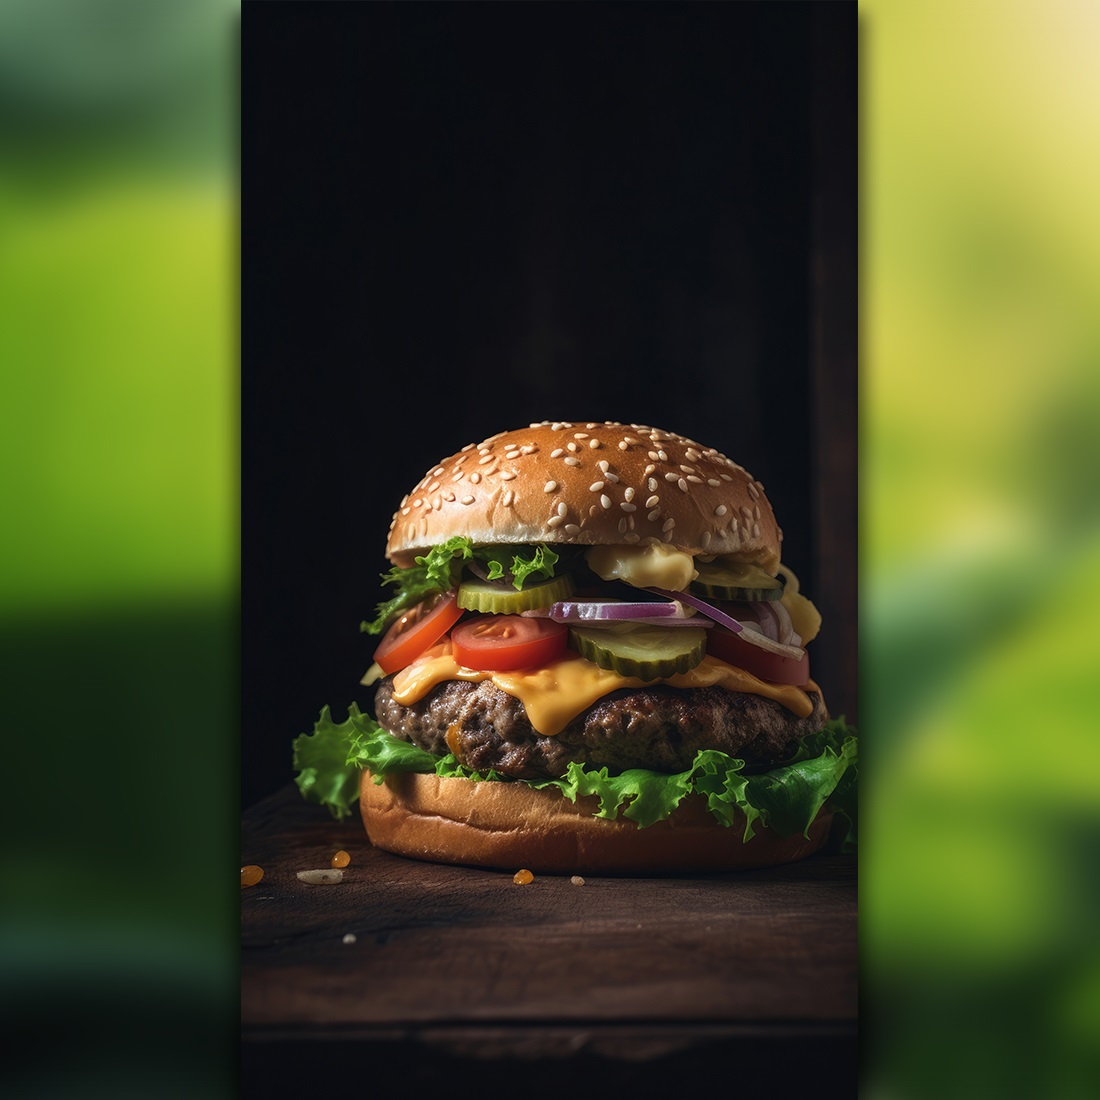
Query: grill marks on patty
x=659 y=727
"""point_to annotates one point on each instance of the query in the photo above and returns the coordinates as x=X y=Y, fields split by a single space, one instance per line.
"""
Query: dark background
x=458 y=219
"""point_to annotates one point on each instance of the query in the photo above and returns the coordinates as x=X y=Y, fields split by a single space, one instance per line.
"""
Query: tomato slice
x=420 y=627
x=728 y=646
x=497 y=643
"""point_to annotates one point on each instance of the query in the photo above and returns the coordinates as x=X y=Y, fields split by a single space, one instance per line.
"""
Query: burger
x=591 y=658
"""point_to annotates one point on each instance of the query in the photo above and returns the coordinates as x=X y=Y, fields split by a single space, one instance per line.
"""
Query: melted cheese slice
x=555 y=694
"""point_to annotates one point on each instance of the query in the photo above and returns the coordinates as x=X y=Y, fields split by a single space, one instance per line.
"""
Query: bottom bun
x=512 y=826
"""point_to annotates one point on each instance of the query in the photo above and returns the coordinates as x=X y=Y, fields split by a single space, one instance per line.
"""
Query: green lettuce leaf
x=821 y=773
x=440 y=570
x=436 y=571
x=321 y=760
x=527 y=561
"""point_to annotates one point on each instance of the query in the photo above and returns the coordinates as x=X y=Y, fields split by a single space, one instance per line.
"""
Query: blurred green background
x=980 y=556
x=118 y=562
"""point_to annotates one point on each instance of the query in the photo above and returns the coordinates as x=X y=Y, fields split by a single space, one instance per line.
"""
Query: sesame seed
x=629 y=494
x=485 y=458
x=631 y=536
x=687 y=469
x=604 y=465
x=671 y=477
x=475 y=477
x=706 y=539
x=404 y=511
x=484 y=450
x=448 y=495
x=754 y=492
x=459 y=476
x=438 y=502
x=713 y=482
x=467 y=500
x=595 y=487
x=605 y=500
x=593 y=509
x=756 y=530
x=571 y=447
x=653 y=501
x=622 y=525
x=572 y=460
x=629 y=440
x=653 y=515
x=563 y=508
x=594 y=444
x=509 y=496
x=683 y=484
x=662 y=456
x=507 y=475
x=434 y=485
x=721 y=510
x=550 y=486
x=572 y=529
x=653 y=455
x=725 y=477
x=416 y=503
x=555 y=521
x=668 y=524
x=557 y=452
x=695 y=480
x=580 y=435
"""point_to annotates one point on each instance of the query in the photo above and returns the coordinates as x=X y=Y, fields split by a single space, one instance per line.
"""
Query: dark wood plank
x=467 y=954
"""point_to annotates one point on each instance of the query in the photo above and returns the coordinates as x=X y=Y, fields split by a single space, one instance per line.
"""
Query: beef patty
x=657 y=727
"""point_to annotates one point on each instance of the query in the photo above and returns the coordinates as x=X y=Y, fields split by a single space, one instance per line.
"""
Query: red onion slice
x=593 y=610
x=720 y=617
x=730 y=623
x=787 y=634
x=769 y=621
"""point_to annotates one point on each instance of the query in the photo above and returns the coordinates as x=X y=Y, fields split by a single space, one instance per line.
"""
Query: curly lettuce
x=436 y=571
x=822 y=773
x=440 y=570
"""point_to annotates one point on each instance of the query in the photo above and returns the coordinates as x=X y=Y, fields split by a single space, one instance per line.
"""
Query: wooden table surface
x=409 y=973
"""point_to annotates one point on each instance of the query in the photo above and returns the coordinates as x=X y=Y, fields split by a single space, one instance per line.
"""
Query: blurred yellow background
x=980 y=556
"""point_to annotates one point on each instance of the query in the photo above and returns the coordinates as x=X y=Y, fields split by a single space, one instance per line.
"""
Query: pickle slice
x=503 y=599
x=634 y=649
x=727 y=581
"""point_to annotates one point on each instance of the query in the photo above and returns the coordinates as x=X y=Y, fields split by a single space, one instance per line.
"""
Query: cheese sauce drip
x=555 y=694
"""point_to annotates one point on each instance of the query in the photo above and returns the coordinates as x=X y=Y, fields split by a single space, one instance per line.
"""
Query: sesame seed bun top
x=589 y=484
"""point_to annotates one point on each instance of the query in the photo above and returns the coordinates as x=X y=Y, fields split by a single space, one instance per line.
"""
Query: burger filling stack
x=591 y=659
